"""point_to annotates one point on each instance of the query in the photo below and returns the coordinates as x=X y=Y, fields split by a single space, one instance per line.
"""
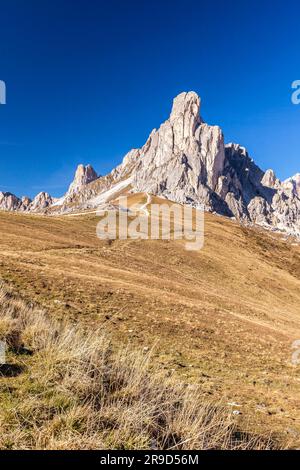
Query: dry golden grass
x=70 y=391
x=222 y=319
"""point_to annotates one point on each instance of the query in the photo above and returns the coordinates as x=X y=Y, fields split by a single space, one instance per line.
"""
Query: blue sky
x=88 y=80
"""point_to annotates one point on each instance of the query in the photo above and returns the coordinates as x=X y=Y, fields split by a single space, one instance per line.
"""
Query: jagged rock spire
x=84 y=175
x=293 y=184
x=270 y=179
x=182 y=155
x=41 y=202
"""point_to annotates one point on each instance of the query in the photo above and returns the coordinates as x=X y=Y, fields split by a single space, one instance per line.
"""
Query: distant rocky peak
x=270 y=179
x=9 y=202
x=293 y=184
x=84 y=175
x=296 y=179
x=182 y=155
x=41 y=202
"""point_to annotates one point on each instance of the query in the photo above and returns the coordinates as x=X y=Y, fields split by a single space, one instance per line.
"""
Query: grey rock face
x=77 y=193
x=184 y=158
x=127 y=166
x=84 y=192
x=41 y=202
x=270 y=180
x=9 y=202
x=83 y=176
x=259 y=211
x=286 y=211
x=292 y=185
x=25 y=203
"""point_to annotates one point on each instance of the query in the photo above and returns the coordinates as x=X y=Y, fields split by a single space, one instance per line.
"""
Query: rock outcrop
x=41 y=202
x=293 y=185
x=9 y=202
x=83 y=176
x=184 y=158
x=270 y=180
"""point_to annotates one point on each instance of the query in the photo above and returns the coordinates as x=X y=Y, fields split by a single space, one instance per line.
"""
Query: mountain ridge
x=187 y=161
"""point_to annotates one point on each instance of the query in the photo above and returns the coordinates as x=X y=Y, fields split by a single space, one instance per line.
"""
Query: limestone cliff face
x=292 y=185
x=184 y=158
x=41 y=202
x=262 y=198
x=9 y=202
x=83 y=176
x=186 y=161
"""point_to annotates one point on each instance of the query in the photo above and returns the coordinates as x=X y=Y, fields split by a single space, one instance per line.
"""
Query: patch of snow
x=104 y=197
x=59 y=201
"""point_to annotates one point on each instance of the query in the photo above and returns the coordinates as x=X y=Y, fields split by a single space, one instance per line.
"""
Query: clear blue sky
x=88 y=80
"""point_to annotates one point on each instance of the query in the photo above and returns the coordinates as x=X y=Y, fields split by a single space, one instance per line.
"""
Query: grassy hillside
x=65 y=387
x=223 y=318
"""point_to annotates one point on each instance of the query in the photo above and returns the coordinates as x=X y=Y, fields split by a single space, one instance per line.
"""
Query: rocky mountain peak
x=25 y=203
x=296 y=180
x=182 y=155
x=41 y=202
x=186 y=104
x=9 y=202
x=83 y=175
x=293 y=184
x=270 y=179
x=186 y=161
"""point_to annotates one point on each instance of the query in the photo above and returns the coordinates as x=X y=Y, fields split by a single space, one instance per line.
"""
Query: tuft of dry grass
x=75 y=391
